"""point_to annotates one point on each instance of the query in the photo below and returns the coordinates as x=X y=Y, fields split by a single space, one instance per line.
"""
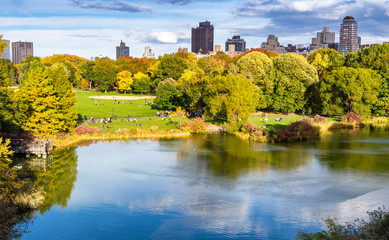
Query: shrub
x=376 y=228
x=351 y=118
x=83 y=129
x=249 y=127
x=298 y=131
x=319 y=119
x=180 y=112
x=154 y=128
x=196 y=125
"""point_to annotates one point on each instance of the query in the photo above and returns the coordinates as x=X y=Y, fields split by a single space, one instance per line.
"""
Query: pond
x=210 y=187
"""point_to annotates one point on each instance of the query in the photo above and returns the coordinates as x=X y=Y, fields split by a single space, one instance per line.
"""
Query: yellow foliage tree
x=124 y=81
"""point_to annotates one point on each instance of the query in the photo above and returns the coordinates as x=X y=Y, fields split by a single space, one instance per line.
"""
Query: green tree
x=142 y=83
x=124 y=81
x=169 y=66
x=231 y=97
x=349 y=90
x=104 y=73
x=24 y=67
x=86 y=71
x=293 y=75
x=66 y=108
x=9 y=115
x=325 y=60
x=167 y=94
x=8 y=73
x=258 y=67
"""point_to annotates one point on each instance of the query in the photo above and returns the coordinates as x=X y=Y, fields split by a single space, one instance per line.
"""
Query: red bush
x=82 y=129
x=351 y=118
x=298 y=131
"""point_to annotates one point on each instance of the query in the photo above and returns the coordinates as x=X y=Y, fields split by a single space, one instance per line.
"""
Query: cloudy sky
x=90 y=28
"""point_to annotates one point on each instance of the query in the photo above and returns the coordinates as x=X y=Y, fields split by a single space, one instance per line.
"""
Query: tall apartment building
x=240 y=44
x=21 y=50
x=202 y=38
x=348 y=41
x=323 y=39
x=122 y=50
x=273 y=45
x=7 y=51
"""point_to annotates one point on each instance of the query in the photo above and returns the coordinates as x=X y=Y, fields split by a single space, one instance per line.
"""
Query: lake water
x=210 y=187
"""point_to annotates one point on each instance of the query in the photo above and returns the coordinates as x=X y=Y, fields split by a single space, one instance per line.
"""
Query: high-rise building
x=122 y=50
x=202 y=38
x=148 y=53
x=21 y=50
x=272 y=44
x=323 y=39
x=240 y=43
x=7 y=51
x=348 y=41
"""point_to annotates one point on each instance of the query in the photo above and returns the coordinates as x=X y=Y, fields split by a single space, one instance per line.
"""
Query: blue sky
x=90 y=28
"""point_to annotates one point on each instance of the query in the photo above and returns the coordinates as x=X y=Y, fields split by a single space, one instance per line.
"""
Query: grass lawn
x=99 y=108
x=146 y=124
x=285 y=122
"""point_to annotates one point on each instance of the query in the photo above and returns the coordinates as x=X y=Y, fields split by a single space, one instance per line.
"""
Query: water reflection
x=55 y=176
x=210 y=187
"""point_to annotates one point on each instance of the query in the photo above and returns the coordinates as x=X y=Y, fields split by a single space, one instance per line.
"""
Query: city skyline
x=93 y=28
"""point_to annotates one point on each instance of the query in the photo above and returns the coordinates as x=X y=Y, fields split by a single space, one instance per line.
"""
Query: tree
x=192 y=84
x=9 y=117
x=167 y=94
x=231 y=97
x=86 y=71
x=293 y=75
x=349 y=90
x=104 y=73
x=8 y=73
x=124 y=81
x=325 y=60
x=258 y=67
x=141 y=83
x=51 y=103
x=169 y=66
x=3 y=45
x=24 y=67
x=134 y=65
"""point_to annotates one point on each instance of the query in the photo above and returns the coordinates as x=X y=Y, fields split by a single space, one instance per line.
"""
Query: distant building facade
x=323 y=39
x=348 y=41
x=148 y=53
x=21 y=50
x=122 y=50
x=202 y=38
x=7 y=51
x=239 y=43
x=273 y=45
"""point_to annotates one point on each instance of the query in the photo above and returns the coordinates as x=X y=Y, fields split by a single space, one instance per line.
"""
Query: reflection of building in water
x=40 y=163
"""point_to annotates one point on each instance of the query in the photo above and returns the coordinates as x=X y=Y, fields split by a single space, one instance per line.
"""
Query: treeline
x=218 y=86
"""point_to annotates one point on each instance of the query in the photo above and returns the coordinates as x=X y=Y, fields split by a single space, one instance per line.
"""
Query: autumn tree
x=134 y=65
x=141 y=83
x=8 y=73
x=169 y=66
x=349 y=90
x=24 y=67
x=192 y=84
x=86 y=71
x=325 y=60
x=124 y=81
x=3 y=45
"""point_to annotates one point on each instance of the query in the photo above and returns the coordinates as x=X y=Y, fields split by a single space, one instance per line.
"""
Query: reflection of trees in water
x=365 y=153
x=57 y=180
x=231 y=157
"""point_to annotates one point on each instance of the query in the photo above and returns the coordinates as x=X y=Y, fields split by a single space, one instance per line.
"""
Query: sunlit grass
x=284 y=123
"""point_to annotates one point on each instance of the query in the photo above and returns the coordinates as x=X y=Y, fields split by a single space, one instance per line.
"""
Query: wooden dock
x=40 y=148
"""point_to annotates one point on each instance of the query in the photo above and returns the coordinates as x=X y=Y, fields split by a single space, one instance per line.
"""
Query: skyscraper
x=240 y=43
x=323 y=39
x=202 y=38
x=348 y=41
x=122 y=50
x=21 y=50
x=7 y=52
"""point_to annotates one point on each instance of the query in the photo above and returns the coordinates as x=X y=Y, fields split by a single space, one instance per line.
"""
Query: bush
x=298 y=131
x=319 y=119
x=351 y=118
x=196 y=125
x=377 y=228
x=83 y=129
